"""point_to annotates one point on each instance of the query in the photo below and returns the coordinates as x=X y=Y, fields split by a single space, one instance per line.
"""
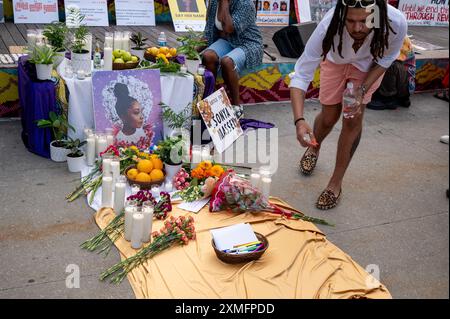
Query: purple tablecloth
x=37 y=99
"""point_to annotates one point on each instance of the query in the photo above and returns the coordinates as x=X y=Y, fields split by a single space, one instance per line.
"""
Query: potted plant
x=190 y=43
x=56 y=36
x=75 y=158
x=139 y=45
x=59 y=125
x=170 y=151
x=178 y=123
x=81 y=57
x=43 y=57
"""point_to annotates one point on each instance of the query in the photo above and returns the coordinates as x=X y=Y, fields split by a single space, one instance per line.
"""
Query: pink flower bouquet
x=238 y=195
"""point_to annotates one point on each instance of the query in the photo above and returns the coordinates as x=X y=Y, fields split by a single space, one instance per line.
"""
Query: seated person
x=234 y=43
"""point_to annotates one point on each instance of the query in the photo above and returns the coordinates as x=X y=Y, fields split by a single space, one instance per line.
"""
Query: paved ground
x=394 y=212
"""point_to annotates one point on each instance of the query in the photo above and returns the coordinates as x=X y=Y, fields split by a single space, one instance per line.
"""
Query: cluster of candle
x=108 y=51
x=138 y=223
x=121 y=40
x=97 y=143
x=261 y=178
x=112 y=182
x=200 y=153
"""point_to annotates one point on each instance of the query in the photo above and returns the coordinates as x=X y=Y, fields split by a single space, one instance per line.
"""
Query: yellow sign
x=188 y=14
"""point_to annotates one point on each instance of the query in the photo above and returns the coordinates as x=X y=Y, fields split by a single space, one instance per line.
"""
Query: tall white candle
x=117 y=40
x=265 y=186
x=155 y=191
x=115 y=169
x=87 y=132
x=88 y=43
x=110 y=139
x=136 y=232
x=147 y=212
x=107 y=58
x=129 y=212
x=119 y=194
x=135 y=188
x=106 y=167
x=101 y=144
x=126 y=43
x=90 y=150
x=196 y=155
x=109 y=41
x=107 y=191
x=169 y=186
x=255 y=179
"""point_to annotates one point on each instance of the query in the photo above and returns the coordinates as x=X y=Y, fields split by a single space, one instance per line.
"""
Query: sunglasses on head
x=362 y=3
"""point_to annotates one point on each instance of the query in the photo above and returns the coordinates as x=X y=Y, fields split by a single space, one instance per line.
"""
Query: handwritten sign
x=32 y=11
x=135 y=12
x=188 y=14
x=425 y=12
x=220 y=119
x=272 y=13
x=95 y=11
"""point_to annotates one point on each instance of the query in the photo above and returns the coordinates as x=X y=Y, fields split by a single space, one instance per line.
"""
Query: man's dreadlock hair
x=380 y=38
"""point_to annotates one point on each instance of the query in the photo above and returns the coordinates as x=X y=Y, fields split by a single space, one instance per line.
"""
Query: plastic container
x=162 y=39
x=349 y=101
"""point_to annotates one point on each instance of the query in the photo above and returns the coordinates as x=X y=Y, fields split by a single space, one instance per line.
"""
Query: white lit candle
x=196 y=155
x=135 y=188
x=110 y=139
x=107 y=58
x=155 y=191
x=109 y=40
x=106 y=191
x=119 y=194
x=136 y=230
x=130 y=209
x=206 y=153
x=265 y=185
x=87 y=132
x=183 y=69
x=169 y=186
x=90 y=150
x=255 y=178
x=106 y=166
x=88 y=43
x=117 y=40
x=115 y=169
x=147 y=211
x=81 y=75
x=101 y=144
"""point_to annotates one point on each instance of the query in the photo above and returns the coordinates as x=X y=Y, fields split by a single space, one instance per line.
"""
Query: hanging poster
x=135 y=12
x=425 y=12
x=33 y=11
x=129 y=102
x=188 y=14
x=220 y=119
x=272 y=12
x=303 y=10
x=95 y=12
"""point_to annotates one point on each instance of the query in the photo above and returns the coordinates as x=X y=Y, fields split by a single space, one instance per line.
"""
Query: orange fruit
x=145 y=166
x=157 y=175
x=131 y=173
x=157 y=163
x=173 y=51
x=143 y=177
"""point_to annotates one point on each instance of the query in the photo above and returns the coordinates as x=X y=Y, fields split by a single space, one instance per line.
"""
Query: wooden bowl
x=242 y=258
x=143 y=185
x=152 y=58
x=125 y=66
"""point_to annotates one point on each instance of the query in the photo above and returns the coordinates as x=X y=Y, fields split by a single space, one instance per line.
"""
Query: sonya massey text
x=224 y=123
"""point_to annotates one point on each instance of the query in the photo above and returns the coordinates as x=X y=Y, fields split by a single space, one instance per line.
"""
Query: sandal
x=308 y=162
x=327 y=200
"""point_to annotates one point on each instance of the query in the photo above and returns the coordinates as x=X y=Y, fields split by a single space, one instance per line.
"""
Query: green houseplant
x=75 y=158
x=56 y=35
x=139 y=45
x=80 y=56
x=59 y=125
x=43 y=57
x=190 y=44
x=170 y=151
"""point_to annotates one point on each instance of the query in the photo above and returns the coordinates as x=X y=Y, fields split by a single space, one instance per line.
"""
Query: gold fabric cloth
x=299 y=263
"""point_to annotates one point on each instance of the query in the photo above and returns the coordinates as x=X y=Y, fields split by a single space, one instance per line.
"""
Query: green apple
x=119 y=60
x=126 y=56
x=117 y=53
x=134 y=58
x=131 y=61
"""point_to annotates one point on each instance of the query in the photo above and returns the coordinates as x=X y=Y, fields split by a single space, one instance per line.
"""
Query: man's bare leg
x=324 y=123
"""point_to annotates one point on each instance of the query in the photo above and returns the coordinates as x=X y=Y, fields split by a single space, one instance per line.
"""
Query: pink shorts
x=334 y=78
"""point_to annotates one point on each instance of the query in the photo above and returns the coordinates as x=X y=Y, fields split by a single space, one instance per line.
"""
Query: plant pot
x=81 y=61
x=171 y=171
x=58 y=154
x=138 y=52
x=75 y=164
x=44 y=71
x=59 y=58
x=192 y=65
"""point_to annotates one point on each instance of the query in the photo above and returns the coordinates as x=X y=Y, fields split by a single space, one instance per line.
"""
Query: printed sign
x=95 y=11
x=272 y=12
x=188 y=14
x=425 y=12
x=220 y=119
x=35 y=11
x=135 y=12
x=129 y=102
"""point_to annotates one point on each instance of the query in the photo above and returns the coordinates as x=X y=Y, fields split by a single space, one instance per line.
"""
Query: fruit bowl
x=152 y=58
x=143 y=185
x=126 y=66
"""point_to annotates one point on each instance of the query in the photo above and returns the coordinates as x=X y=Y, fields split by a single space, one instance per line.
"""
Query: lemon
x=143 y=177
x=131 y=173
x=173 y=51
x=157 y=163
x=145 y=166
x=157 y=175
x=164 y=50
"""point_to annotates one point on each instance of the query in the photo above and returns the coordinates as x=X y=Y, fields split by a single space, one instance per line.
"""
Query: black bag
x=289 y=42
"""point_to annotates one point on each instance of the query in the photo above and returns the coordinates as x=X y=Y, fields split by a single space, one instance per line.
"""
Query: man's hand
x=305 y=135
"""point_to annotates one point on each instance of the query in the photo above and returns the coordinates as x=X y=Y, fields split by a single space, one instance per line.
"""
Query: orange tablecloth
x=299 y=263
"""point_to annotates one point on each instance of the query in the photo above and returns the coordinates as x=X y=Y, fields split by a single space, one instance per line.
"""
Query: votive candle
x=136 y=230
x=90 y=150
x=147 y=211
x=119 y=194
x=130 y=209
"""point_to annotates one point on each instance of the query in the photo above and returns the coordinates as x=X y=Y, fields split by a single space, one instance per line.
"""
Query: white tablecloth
x=176 y=91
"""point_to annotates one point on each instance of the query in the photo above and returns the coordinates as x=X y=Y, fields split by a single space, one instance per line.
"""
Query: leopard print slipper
x=308 y=162
x=327 y=200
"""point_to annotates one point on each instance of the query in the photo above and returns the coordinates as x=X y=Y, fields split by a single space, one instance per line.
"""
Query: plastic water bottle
x=348 y=101
x=162 y=40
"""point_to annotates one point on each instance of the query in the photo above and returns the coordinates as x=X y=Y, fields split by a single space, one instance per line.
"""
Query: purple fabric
x=210 y=83
x=249 y=123
x=37 y=99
